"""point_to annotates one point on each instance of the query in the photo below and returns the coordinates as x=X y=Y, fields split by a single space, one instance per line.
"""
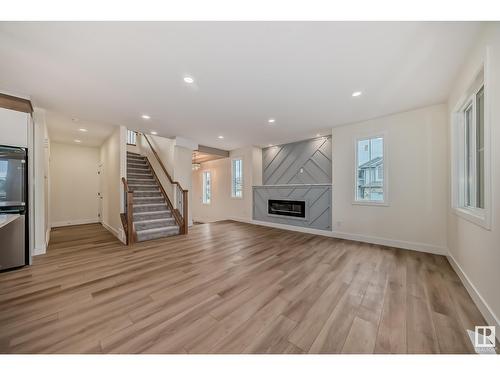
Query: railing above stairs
x=180 y=209
x=127 y=217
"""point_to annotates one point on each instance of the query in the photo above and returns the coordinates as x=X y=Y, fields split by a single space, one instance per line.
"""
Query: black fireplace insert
x=286 y=208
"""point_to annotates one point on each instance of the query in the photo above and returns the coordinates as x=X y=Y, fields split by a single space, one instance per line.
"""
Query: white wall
x=46 y=198
x=256 y=166
x=222 y=205
x=416 y=155
x=75 y=184
x=183 y=158
x=164 y=147
x=475 y=251
x=113 y=168
x=42 y=187
x=132 y=148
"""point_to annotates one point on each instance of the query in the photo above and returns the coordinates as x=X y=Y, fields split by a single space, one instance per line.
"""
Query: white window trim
x=385 y=202
x=242 y=177
x=478 y=216
x=203 y=187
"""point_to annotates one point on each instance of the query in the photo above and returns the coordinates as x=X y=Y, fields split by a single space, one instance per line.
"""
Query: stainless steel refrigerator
x=14 y=249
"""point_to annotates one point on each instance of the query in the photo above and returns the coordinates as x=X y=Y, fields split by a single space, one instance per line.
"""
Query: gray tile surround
x=304 y=162
x=297 y=171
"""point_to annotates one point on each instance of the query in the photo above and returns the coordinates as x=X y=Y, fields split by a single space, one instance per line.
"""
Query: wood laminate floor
x=232 y=288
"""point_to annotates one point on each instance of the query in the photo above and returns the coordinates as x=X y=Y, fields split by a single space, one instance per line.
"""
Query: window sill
x=475 y=217
x=371 y=203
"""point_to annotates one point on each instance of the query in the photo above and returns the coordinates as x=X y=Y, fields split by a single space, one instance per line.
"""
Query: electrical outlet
x=301 y=170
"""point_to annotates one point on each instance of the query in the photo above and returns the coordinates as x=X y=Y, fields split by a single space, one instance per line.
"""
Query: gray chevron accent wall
x=318 y=204
x=304 y=162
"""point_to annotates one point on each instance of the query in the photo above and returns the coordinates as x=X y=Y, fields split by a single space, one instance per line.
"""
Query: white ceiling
x=300 y=73
x=66 y=129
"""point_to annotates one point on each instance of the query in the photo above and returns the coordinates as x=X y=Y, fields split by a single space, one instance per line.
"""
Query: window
x=480 y=148
x=207 y=187
x=470 y=156
x=370 y=183
x=237 y=178
x=131 y=137
x=3 y=179
x=472 y=153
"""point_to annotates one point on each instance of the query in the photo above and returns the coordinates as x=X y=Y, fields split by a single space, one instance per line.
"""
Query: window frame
x=385 y=184
x=203 y=187
x=473 y=214
x=242 y=178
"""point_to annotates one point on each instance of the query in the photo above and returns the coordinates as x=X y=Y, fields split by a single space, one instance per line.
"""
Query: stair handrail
x=129 y=210
x=184 y=192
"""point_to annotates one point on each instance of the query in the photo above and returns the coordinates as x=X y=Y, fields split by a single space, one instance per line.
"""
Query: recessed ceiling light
x=220 y=137
x=154 y=133
x=356 y=93
x=146 y=117
x=188 y=79
x=271 y=120
x=83 y=130
x=318 y=135
x=78 y=141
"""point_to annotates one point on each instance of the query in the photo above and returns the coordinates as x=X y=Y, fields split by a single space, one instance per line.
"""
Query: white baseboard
x=118 y=233
x=39 y=251
x=42 y=250
x=407 y=245
x=481 y=304
x=74 y=222
x=47 y=236
x=212 y=220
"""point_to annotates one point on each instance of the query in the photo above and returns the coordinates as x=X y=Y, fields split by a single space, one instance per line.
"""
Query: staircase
x=152 y=217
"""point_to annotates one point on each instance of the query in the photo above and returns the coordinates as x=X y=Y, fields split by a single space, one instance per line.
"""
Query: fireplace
x=286 y=208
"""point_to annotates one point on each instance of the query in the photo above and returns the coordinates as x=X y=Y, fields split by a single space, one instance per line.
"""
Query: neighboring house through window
x=370 y=184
